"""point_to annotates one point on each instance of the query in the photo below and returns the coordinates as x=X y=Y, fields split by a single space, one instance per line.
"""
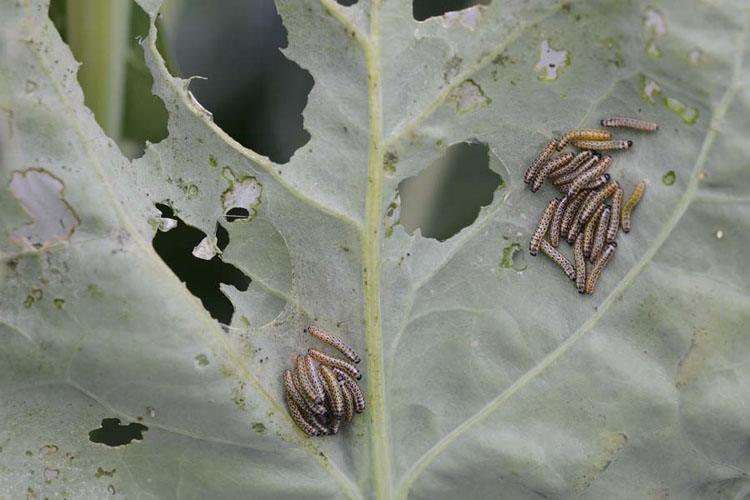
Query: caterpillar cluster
x=321 y=390
x=582 y=215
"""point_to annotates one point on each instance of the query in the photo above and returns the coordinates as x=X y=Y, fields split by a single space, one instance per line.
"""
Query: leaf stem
x=98 y=33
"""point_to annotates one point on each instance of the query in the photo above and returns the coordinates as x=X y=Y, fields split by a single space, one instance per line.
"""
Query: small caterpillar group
x=583 y=216
x=321 y=391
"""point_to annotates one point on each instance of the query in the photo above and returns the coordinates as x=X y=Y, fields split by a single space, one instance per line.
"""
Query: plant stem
x=98 y=33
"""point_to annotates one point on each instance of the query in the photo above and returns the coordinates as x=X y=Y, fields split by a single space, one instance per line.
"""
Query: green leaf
x=483 y=379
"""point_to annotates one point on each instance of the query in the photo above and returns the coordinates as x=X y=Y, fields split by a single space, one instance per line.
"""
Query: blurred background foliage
x=256 y=95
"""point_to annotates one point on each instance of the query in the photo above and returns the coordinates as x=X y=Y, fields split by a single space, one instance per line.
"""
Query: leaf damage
x=41 y=195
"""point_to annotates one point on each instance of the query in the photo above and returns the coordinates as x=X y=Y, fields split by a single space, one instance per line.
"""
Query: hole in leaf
x=255 y=93
x=112 y=433
x=201 y=277
x=513 y=258
x=446 y=197
x=669 y=178
x=116 y=86
x=347 y=3
x=237 y=213
x=222 y=237
x=424 y=9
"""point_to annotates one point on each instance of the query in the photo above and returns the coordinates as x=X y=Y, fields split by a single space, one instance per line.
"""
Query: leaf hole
x=201 y=277
x=425 y=9
x=112 y=433
x=236 y=213
x=513 y=258
x=668 y=178
x=446 y=196
x=256 y=94
x=140 y=116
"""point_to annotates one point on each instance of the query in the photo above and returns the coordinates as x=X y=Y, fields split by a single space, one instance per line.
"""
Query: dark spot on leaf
x=201 y=277
x=259 y=427
x=347 y=3
x=446 y=197
x=424 y=9
x=100 y=473
x=112 y=433
x=389 y=163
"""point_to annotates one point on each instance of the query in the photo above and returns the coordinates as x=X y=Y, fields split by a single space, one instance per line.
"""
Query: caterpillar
x=554 y=227
x=312 y=376
x=348 y=401
x=591 y=205
x=614 y=221
x=570 y=212
x=581 y=181
x=579 y=159
x=334 y=391
x=296 y=415
x=316 y=421
x=558 y=258
x=596 y=183
x=334 y=341
x=571 y=176
x=633 y=123
x=539 y=161
x=599 y=266
x=630 y=205
x=291 y=390
x=316 y=408
x=541 y=228
x=359 y=398
x=307 y=387
x=580 y=262
x=590 y=230
x=333 y=362
x=583 y=134
x=576 y=223
x=603 y=145
x=548 y=168
x=600 y=235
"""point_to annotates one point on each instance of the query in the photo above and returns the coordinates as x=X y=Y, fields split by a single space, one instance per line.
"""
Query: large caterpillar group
x=582 y=216
x=321 y=390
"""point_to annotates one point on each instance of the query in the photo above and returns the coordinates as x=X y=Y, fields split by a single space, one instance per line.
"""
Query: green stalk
x=98 y=33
